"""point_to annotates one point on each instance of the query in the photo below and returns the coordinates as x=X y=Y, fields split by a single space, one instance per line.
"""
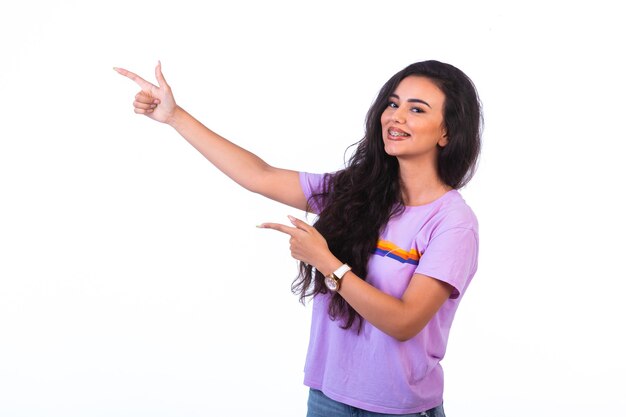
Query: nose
x=399 y=115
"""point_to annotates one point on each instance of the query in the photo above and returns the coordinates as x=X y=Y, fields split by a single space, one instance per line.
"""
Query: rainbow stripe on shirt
x=387 y=249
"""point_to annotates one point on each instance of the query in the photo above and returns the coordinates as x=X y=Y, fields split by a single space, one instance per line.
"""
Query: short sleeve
x=451 y=257
x=312 y=184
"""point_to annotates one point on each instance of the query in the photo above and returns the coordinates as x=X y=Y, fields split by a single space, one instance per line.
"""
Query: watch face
x=331 y=284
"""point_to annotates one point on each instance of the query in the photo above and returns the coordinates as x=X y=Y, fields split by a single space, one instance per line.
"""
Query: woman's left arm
x=401 y=318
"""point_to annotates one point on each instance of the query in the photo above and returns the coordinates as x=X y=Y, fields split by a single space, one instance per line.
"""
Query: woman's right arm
x=242 y=166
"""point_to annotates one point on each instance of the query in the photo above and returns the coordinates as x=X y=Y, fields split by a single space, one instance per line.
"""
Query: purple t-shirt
x=372 y=370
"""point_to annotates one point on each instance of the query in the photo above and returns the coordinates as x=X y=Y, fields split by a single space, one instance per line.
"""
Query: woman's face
x=412 y=123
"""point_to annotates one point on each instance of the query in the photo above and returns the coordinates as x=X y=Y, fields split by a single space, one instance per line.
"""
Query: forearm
x=401 y=318
x=383 y=311
x=242 y=166
x=245 y=168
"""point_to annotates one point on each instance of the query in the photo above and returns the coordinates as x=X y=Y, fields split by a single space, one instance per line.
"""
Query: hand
x=155 y=102
x=307 y=245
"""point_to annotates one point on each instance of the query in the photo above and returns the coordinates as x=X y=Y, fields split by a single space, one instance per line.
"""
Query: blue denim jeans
x=322 y=406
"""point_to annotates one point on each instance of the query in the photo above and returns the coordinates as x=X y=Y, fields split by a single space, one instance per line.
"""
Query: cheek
x=384 y=118
x=429 y=128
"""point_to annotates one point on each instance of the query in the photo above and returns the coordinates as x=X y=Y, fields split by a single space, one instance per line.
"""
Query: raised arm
x=242 y=166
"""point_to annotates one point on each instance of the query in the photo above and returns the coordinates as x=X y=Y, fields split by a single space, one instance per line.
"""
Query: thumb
x=299 y=224
x=159 y=75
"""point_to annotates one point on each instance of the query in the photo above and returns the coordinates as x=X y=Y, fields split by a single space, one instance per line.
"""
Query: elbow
x=404 y=337
x=407 y=326
x=261 y=182
x=255 y=182
x=405 y=332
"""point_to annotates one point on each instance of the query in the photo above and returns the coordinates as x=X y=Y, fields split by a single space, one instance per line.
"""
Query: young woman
x=394 y=246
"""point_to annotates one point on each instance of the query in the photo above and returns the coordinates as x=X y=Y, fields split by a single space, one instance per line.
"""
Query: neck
x=420 y=183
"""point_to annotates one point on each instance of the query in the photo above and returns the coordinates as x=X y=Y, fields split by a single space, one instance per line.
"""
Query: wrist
x=334 y=279
x=329 y=266
x=175 y=120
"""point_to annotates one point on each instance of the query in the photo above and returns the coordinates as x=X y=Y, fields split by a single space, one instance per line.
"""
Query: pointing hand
x=156 y=102
x=306 y=244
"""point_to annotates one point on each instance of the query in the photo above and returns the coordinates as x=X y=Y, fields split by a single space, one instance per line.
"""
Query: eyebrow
x=412 y=100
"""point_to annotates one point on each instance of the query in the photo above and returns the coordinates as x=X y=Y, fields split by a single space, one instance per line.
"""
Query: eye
x=392 y=105
x=417 y=110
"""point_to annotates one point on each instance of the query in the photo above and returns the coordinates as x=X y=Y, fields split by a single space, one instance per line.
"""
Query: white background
x=133 y=281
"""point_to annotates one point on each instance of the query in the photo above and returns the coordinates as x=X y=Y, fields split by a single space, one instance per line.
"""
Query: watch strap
x=341 y=271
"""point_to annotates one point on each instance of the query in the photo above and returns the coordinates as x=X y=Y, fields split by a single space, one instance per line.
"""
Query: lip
x=397 y=138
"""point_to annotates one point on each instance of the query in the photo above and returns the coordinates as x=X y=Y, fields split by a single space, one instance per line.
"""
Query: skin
x=246 y=169
x=401 y=318
x=417 y=153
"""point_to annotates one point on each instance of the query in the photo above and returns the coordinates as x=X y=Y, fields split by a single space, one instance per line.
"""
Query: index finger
x=279 y=227
x=145 y=85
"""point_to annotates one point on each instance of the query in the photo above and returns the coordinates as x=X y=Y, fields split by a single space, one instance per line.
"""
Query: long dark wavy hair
x=358 y=201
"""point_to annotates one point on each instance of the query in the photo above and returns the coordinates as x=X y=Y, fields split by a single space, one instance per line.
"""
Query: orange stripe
x=387 y=246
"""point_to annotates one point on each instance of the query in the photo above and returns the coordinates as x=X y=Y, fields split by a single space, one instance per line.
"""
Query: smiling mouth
x=396 y=134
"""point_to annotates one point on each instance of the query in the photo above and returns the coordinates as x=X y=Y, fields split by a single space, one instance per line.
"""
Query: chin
x=389 y=150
